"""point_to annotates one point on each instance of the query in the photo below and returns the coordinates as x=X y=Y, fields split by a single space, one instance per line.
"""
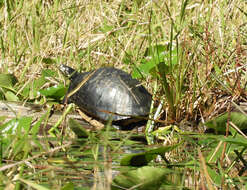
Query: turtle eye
x=67 y=71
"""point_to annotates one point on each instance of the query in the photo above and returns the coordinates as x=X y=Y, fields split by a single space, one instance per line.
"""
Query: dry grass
x=91 y=34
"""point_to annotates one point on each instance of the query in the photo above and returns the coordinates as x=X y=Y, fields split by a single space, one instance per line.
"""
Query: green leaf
x=35 y=87
x=38 y=83
x=16 y=130
x=218 y=124
x=106 y=28
x=15 y=126
x=214 y=175
x=68 y=186
x=33 y=185
x=55 y=92
x=156 y=62
x=36 y=126
x=26 y=91
x=78 y=129
x=7 y=81
x=241 y=141
x=48 y=61
x=10 y=96
x=157 y=50
x=150 y=178
x=143 y=68
x=153 y=56
x=141 y=159
x=48 y=73
x=9 y=127
x=32 y=90
x=24 y=123
x=17 y=149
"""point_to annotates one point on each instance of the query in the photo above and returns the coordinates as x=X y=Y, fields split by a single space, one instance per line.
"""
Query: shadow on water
x=107 y=160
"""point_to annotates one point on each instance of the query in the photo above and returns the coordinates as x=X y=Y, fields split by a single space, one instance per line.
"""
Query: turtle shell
x=107 y=93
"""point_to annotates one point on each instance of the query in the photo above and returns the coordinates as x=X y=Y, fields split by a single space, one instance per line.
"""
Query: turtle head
x=68 y=71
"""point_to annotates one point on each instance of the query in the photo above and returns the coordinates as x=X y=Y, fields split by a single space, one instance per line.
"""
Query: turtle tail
x=68 y=71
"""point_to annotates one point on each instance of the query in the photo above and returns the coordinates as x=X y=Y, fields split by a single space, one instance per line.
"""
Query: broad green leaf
x=160 y=54
x=241 y=141
x=144 y=178
x=143 y=68
x=156 y=50
x=24 y=123
x=10 y=96
x=55 y=92
x=156 y=62
x=68 y=186
x=153 y=56
x=26 y=91
x=7 y=81
x=218 y=124
x=106 y=28
x=141 y=159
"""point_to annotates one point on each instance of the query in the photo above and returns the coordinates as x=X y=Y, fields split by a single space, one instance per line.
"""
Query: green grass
x=185 y=53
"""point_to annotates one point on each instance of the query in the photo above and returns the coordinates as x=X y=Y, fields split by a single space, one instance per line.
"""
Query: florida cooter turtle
x=108 y=93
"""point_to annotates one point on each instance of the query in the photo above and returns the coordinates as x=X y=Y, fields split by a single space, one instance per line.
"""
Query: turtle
x=108 y=93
